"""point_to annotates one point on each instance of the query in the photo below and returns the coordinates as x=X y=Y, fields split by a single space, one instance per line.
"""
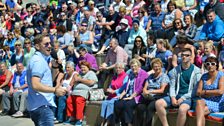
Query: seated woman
x=131 y=94
x=190 y=29
x=86 y=80
x=172 y=13
x=164 y=52
x=66 y=83
x=5 y=78
x=28 y=51
x=17 y=56
x=210 y=90
x=139 y=49
x=107 y=108
x=154 y=89
x=178 y=28
x=143 y=17
x=10 y=41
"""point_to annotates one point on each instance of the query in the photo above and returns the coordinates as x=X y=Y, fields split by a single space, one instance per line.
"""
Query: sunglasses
x=84 y=25
x=26 y=43
x=47 y=44
x=186 y=55
x=17 y=45
x=177 y=22
x=210 y=63
x=80 y=1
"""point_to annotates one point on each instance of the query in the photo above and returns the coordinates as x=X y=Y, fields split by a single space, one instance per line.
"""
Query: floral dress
x=214 y=103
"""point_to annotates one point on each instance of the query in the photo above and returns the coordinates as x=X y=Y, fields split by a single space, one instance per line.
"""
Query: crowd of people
x=159 y=54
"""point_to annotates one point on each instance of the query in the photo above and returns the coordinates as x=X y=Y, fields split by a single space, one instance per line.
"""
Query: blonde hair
x=122 y=9
x=56 y=43
x=27 y=40
x=156 y=60
x=135 y=61
x=210 y=44
x=165 y=43
x=18 y=42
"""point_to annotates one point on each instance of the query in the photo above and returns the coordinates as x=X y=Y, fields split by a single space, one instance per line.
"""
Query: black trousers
x=124 y=111
x=144 y=113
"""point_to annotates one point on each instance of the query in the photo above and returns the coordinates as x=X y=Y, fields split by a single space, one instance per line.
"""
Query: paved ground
x=10 y=121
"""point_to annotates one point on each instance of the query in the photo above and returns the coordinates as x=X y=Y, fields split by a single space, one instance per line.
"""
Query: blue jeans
x=42 y=116
x=61 y=108
x=107 y=108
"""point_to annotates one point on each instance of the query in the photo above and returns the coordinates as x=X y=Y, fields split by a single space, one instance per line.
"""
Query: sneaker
x=17 y=114
x=56 y=122
x=69 y=122
x=78 y=123
x=4 y=113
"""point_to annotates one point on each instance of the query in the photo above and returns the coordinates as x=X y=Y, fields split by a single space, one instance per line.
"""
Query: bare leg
x=182 y=114
x=103 y=122
x=161 y=111
x=201 y=111
x=101 y=50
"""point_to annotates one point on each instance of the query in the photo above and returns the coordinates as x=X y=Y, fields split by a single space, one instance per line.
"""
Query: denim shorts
x=169 y=103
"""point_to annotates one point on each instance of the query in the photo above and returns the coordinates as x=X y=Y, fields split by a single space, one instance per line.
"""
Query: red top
x=117 y=82
x=3 y=78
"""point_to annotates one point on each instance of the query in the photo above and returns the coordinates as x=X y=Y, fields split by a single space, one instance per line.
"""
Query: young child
x=200 y=53
x=209 y=51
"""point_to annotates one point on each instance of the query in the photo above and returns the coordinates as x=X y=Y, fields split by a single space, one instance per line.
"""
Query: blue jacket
x=22 y=79
x=213 y=31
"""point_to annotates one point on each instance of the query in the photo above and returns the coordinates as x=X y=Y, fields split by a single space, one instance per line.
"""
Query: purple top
x=90 y=59
x=138 y=83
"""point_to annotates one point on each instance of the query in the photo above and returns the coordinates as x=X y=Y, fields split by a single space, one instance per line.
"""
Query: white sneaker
x=18 y=114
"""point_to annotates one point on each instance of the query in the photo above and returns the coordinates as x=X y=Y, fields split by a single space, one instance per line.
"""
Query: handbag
x=96 y=94
x=148 y=97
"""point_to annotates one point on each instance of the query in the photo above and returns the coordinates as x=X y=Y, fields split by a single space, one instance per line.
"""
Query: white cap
x=69 y=2
x=124 y=21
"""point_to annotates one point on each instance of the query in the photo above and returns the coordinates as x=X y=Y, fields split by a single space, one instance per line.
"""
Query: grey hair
x=120 y=64
x=135 y=61
x=115 y=41
x=70 y=63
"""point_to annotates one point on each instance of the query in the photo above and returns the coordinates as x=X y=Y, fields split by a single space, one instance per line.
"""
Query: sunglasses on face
x=80 y=1
x=84 y=25
x=210 y=63
x=17 y=45
x=177 y=23
x=26 y=43
x=47 y=44
x=186 y=55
